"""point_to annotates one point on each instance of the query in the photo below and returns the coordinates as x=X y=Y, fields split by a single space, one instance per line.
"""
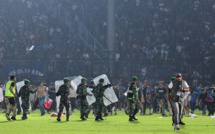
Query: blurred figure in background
x=144 y=95
x=32 y=97
x=186 y=108
x=210 y=102
x=122 y=102
x=148 y=98
x=161 y=90
x=202 y=102
x=154 y=98
x=193 y=101
x=116 y=104
x=141 y=98
x=52 y=95
x=1 y=96
x=72 y=98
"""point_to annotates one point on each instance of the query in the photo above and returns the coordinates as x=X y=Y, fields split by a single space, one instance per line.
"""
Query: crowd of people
x=152 y=97
x=151 y=32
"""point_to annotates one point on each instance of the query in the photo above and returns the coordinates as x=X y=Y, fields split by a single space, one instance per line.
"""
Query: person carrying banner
x=82 y=94
x=24 y=93
x=99 y=93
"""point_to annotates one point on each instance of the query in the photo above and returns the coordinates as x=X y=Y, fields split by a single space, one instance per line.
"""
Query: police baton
x=108 y=99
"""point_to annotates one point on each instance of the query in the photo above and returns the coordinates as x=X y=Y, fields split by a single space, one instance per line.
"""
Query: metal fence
x=51 y=70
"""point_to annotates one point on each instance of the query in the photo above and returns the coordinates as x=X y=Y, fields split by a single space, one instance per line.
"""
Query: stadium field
x=113 y=124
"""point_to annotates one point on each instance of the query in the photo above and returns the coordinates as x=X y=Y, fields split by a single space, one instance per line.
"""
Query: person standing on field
x=133 y=100
x=41 y=95
x=177 y=88
x=10 y=95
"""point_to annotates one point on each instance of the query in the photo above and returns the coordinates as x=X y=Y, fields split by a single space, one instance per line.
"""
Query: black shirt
x=116 y=92
x=203 y=97
x=161 y=92
x=52 y=94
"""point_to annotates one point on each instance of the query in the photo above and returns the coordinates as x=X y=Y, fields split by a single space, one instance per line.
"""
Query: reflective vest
x=130 y=92
x=7 y=90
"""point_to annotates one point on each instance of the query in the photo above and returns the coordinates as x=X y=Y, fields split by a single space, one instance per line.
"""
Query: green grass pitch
x=113 y=124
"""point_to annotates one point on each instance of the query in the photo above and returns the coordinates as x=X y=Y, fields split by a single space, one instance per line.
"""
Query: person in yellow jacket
x=10 y=95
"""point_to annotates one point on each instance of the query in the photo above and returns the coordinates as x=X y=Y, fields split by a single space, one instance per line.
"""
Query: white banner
x=109 y=92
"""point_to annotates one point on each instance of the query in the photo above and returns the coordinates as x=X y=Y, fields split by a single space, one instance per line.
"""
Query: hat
x=101 y=80
x=173 y=78
x=92 y=82
x=26 y=81
x=202 y=89
x=179 y=75
x=83 y=79
x=66 y=80
x=134 y=78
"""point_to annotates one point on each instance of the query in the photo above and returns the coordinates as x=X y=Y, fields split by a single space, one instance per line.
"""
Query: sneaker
x=164 y=115
x=130 y=119
x=13 y=118
x=134 y=118
x=58 y=119
x=181 y=123
x=176 y=127
x=23 y=118
x=96 y=119
x=101 y=118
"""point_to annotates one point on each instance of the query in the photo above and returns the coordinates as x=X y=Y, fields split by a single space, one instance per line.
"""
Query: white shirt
x=170 y=86
x=186 y=95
